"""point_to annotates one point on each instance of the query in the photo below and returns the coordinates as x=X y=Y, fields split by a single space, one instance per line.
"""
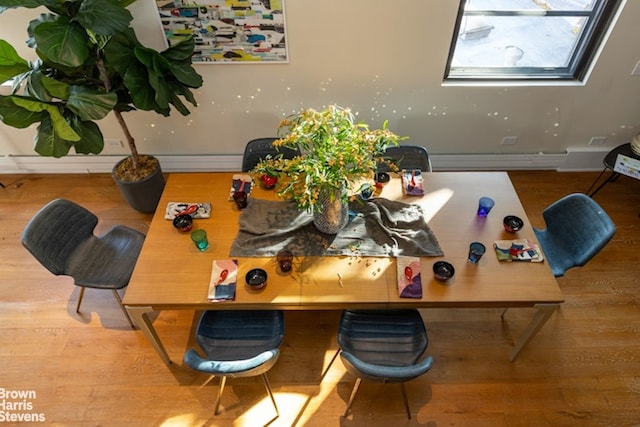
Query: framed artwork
x=227 y=31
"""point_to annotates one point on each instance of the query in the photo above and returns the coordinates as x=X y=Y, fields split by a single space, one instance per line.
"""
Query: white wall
x=385 y=60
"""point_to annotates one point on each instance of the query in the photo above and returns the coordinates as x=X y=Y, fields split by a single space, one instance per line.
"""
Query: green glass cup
x=199 y=238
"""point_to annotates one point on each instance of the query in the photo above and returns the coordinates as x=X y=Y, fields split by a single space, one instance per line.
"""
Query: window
x=527 y=39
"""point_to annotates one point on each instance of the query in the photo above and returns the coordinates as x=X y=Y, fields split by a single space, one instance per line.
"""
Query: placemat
x=378 y=227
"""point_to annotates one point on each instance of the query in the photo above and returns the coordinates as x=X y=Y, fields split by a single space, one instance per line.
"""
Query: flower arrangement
x=336 y=153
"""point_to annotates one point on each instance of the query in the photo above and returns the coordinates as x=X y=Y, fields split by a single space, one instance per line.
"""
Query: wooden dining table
x=172 y=274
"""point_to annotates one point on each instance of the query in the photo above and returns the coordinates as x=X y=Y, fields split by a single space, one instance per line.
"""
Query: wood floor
x=90 y=369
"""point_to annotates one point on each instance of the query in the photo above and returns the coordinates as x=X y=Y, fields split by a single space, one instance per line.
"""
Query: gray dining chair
x=259 y=148
x=577 y=229
x=383 y=346
x=61 y=237
x=236 y=344
x=407 y=157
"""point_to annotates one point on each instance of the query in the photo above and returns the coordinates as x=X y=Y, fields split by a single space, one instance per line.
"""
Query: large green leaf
x=103 y=17
x=55 y=88
x=186 y=75
x=183 y=90
x=177 y=102
x=11 y=64
x=11 y=4
x=58 y=122
x=91 y=139
x=182 y=51
x=48 y=143
x=159 y=85
x=90 y=104
x=44 y=17
x=162 y=87
x=62 y=42
x=16 y=116
x=151 y=58
x=137 y=82
x=119 y=51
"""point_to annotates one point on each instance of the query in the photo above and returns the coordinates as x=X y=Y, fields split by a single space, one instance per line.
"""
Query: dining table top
x=172 y=274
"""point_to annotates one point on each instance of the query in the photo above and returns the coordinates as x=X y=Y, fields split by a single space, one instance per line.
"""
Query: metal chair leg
x=208 y=380
x=223 y=380
x=80 y=299
x=268 y=387
x=356 y=386
x=406 y=401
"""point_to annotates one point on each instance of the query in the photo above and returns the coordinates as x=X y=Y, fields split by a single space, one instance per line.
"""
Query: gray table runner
x=379 y=227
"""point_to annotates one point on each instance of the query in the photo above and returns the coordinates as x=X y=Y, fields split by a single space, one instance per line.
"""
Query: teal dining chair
x=236 y=344
x=577 y=229
x=383 y=346
x=61 y=237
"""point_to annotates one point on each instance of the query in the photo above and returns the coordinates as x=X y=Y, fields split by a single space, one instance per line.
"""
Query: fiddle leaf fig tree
x=89 y=63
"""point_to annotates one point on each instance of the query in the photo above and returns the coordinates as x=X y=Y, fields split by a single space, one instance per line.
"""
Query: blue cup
x=476 y=250
x=484 y=206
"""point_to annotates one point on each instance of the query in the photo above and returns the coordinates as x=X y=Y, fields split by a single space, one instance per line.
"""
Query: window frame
x=586 y=48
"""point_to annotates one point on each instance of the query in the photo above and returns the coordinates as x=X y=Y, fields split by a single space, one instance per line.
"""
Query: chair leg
x=80 y=299
x=504 y=312
x=208 y=380
x=406 y=401
x=356 y=386
x=124 y=310
x=223 y=381
x=268 y=387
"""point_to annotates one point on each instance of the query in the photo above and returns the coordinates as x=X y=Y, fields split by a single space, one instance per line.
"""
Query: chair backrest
x=383 y=337
x=258 y=149
x=239 y=334
x=407 y=157
x=55 y=231
x=578 y=228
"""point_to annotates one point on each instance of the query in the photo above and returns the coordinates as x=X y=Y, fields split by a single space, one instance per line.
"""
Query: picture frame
x=228 y=31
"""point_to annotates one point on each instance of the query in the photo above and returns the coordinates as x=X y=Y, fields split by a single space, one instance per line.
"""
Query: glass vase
x=332 y=211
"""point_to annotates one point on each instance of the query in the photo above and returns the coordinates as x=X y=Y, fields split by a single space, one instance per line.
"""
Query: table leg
x=612 y=177
x=542 y=314
x=140 y=316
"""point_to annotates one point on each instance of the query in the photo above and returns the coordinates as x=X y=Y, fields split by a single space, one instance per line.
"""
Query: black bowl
x=256 y=278
x=512 y=223
x=443 y=271
x=382 y=177
x=183 y=222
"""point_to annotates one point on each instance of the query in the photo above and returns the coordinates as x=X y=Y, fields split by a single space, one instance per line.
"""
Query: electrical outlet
x=597 y=140
x=113 y=143
x=509 y=140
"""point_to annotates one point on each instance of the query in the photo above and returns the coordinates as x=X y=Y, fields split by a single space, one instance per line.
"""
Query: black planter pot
x=142 y=195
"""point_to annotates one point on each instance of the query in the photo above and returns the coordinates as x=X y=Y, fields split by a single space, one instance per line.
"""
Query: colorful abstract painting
x=228 y=31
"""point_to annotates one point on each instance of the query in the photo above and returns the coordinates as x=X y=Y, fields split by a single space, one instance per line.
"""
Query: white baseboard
x=104 y=164
x=573 y=160
x=444 y=162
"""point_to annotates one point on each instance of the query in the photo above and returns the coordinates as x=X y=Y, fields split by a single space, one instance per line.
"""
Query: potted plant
x=90 y=63
x=336 y=153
